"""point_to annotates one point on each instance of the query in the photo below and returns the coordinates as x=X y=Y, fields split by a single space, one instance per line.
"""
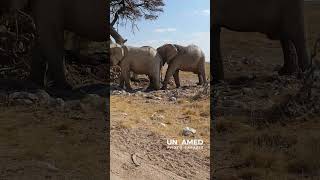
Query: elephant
x=86 y=18
x=278 y=19
x=185 y=58
x=139 y=60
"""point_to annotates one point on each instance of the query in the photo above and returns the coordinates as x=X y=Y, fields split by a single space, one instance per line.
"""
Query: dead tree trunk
x=116 y=36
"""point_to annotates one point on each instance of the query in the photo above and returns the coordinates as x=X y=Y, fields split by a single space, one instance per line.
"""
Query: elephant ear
x=167 y=52
x=116 y=54
x=171 y=52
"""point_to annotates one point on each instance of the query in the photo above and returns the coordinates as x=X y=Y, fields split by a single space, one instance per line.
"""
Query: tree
x=131 y=11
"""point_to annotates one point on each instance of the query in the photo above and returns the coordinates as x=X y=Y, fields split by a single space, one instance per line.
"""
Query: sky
x=183 y=22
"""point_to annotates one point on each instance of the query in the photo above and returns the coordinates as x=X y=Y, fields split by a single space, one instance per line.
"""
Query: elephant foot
x=149 y=88
x=61 y=85
x=36 y=81
x=164 y=88
x=286 y=71
x=66 y=94
x=129 y=89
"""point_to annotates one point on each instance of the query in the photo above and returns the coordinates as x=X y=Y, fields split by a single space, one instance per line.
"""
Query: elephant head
x=167 y=52
x=117 y=53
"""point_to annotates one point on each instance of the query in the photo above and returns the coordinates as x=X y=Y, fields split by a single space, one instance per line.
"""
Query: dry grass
x=134 y=112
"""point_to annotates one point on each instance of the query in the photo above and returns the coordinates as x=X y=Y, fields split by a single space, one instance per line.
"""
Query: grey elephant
x=185 y=58
x=279 y=19
x=139 y=60
x=86 y=18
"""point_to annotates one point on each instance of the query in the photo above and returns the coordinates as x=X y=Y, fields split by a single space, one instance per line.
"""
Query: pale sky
x=183 y=22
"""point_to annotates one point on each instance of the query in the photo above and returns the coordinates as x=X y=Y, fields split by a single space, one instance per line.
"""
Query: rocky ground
x=141 y=123
x=266 y=126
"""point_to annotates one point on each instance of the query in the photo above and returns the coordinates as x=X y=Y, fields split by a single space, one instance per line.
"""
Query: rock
x=22 y=102
x=88 y=70
x=163 y=124
x=157 y=117
x=124 y=114
x=23 y=95
x=60 y=102
x=187 y=131
x=247 y=91
x=43 y=96
x=23 y=98
x=158 y=98
x=74 y=104
x=173 y=99
x=115 y=92
x=57 y=103
x=149 y=96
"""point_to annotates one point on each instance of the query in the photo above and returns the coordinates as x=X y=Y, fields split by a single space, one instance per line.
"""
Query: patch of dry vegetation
x=134 y=112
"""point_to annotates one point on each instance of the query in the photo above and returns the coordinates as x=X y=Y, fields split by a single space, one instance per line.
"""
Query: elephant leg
x=38 y=67
x=170 y=71
x=290 y=58
x=301 y=49
x=150 y=82
x=176 y=78
x=203 y=74
x=217 y=72
x=156 y=82
x=51 y=43
x=121 y=81
x=126 y=77
x=200 y=79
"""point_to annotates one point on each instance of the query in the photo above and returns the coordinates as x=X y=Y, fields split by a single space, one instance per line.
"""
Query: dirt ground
x=46 y=137
x=141 y=123
x=46 y=143
x=256 y=137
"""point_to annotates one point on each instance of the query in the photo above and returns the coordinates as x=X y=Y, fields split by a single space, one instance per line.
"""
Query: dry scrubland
x=160 y=117
x=252 y=141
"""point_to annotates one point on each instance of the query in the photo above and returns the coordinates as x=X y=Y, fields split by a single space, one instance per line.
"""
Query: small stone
x=124 y=114
x=22 y=102
x=173 y=99
x=163 y=124
x=158 y=98
x=247 y=91
x=88 y=70
x=187 y=131
x=43 y=96
x=23 y=95
x=60 y=102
